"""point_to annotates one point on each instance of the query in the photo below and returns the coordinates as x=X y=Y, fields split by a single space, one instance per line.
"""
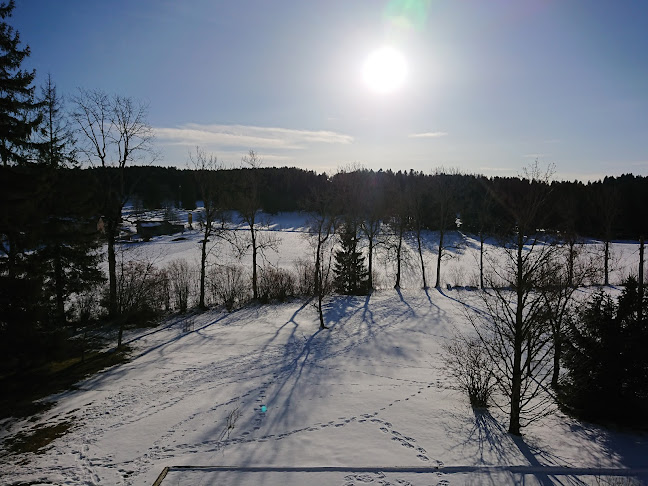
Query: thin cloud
x=248 y=136
x=428 y=135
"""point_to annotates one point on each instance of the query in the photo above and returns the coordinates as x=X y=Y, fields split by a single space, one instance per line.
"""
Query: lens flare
x=407 y=14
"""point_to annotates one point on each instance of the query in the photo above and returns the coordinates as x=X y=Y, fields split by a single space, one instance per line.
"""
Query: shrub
x=305 y=277
x=468 y=363
x=276 y=284
x=181 y=278
x=228 y=286
x=140 y=290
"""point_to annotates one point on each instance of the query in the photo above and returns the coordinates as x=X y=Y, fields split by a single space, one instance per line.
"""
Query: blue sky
x=491 y=85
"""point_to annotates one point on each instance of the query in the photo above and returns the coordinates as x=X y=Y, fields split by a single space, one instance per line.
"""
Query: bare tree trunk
x=112 y=272
x=516 y=388
x=420 y=252
x=557 y=340
x=516 y=382
x=439 y=256
x=570 y=263
x=203 y=263
x=606 y=260
x=641 y=277
x=255 y=288
x=320 y=311
x=481 y=260
x=370 y=266
x=399 y=248
x=319 y=283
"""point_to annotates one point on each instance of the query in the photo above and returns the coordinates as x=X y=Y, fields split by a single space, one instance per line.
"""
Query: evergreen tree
x=606 y=360
x=19 y=112
x=22 y=190
x=69 y=243
x=57 y=145
x=349 y=269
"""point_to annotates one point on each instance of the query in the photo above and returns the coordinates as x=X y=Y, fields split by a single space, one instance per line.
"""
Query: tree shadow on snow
x=495 y=446
x=313 y=365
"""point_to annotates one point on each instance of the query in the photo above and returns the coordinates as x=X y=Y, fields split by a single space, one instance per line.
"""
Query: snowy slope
x=368 y=393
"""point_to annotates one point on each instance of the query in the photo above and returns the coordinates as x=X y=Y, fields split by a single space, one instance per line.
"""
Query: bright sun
x=385 y=70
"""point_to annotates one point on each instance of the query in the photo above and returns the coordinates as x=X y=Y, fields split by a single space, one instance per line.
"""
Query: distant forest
x=615 y=207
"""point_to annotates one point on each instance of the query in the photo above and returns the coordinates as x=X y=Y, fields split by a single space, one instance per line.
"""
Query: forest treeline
x=609 y=208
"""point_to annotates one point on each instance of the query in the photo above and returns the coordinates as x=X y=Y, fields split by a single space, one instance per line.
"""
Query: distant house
x=148 y=229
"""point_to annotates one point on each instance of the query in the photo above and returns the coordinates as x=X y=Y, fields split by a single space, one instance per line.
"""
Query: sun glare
x=385 y=70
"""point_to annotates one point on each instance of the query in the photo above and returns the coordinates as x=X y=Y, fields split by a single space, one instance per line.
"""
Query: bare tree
x=566 y=270
x=608 y=202
x=372 y=207
x=249 y=208
x=417 y=203
x=212 y=220
x=484 y=225
x=513 y=326
x=396 y=226
x=321 y=229
x=640 y=283
x=444 y=190
x=114 y=132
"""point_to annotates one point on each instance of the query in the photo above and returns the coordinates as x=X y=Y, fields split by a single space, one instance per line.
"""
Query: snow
x=368 y=398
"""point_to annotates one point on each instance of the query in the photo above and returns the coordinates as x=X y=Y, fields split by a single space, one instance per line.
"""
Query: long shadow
x=495 y=444
x=429 y=298
x=402 y=299
x=116 y=371
x=542 y=478
x=462 y=303
x=308 y=364
x=180 y=336
x=292 y=321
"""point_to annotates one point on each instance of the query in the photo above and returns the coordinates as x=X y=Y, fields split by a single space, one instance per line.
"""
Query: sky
x=490 y=86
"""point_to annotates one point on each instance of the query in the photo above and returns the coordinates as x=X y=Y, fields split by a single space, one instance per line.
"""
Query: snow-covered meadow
x=262 y=390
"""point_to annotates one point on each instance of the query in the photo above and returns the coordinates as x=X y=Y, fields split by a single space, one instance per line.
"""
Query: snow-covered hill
x=263 y=387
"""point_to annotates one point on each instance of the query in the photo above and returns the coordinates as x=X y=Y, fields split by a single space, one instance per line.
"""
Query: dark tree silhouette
x=350 y=271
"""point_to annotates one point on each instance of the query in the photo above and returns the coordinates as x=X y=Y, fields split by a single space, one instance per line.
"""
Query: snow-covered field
x=367 y=398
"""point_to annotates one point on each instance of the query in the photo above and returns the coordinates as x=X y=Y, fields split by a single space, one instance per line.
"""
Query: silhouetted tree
x=397 y=225
x=349 y=268
x=445 y=191
x=20 y=114
x=321 y=229
x=606 y=361
x=212 y=220
x=249 y=208
x=513 y=327
x=114 y=132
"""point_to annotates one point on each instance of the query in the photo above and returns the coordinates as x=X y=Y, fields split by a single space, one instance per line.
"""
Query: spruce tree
x=606 y=362
x=70 y=240
x=19 y=113
x=350 y=271
x=22 y=189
